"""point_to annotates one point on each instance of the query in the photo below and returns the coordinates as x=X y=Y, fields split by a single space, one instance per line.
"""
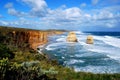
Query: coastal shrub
x=24 y=71
x=54 y=62
x=3 y=68
x=5 y=52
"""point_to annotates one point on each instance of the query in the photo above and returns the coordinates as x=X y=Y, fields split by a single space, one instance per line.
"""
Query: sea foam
x=73 y=61
x=96 y=69
x=109 y=40
x=53 y=46
x=104 y=47
x=112 y=41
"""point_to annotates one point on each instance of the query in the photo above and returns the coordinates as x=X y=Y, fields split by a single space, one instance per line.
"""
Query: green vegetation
x=19 y=64
x=5 y=52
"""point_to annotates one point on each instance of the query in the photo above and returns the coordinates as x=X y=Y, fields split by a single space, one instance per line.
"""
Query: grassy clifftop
x=23 y=63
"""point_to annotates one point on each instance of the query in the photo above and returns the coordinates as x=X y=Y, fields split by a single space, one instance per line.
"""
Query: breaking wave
x=101 y=57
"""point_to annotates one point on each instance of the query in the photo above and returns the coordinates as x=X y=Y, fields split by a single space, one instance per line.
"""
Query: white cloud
x=4 y=23
x=12 y=11
x=75 y=17
x=73 y=12
x=18 y=23
x=94 y=2
x=39 y=7
x=111 y=23
x=63 y=17
x=83 y=5
x=9 y=5
x=16 y=13
x=39 y=4
x=103 y=15
x=110 y=2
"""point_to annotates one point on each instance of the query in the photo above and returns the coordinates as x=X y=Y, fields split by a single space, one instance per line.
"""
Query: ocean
x=101 y=57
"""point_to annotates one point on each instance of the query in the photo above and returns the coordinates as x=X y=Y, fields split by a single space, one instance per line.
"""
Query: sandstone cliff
x=33 y=38
x=27 y=38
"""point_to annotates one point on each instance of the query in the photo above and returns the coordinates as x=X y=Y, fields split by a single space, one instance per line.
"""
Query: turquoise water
x=101 y=57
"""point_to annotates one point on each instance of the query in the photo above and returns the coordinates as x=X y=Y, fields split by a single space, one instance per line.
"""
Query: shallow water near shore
x=101 y=57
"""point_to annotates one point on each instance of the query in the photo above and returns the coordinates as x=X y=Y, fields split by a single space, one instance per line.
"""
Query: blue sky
x=84 y=15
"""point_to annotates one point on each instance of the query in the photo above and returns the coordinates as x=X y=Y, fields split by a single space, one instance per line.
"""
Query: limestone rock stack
x=72 y=37
x=89 y=39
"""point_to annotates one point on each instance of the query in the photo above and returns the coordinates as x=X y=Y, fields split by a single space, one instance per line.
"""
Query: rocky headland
x=26 y=37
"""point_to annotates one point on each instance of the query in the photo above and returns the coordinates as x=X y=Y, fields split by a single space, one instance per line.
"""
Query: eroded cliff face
x=24 y=39
x=32 y=38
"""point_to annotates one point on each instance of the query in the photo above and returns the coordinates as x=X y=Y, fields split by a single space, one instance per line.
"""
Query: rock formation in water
x=72 y=37
x=89 y=39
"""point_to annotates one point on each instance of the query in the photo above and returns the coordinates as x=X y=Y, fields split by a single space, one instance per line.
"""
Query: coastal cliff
x=33 y=38
x=27 y=38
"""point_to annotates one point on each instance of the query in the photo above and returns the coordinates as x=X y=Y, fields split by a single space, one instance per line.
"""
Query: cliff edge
x=26 y=37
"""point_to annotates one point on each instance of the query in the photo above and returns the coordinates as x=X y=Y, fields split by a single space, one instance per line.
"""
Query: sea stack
x=72 y=37
x=89 y=39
